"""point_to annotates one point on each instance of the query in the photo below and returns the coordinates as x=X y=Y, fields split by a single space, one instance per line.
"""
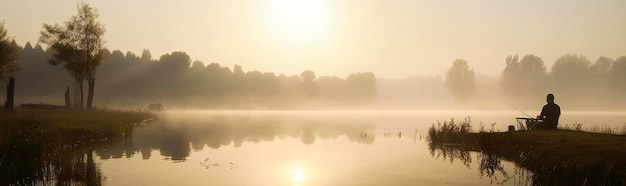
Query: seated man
x=549 y=114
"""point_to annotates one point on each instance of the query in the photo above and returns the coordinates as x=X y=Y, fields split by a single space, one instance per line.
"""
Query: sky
x=392 y=38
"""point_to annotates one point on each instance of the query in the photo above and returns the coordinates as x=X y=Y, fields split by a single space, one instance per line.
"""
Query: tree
x=571 y=72
x=600 y=73
x=602 y=67
x=618 y=74
x=197 y=65
x=308 y=77
x=362 y=86
x=308 y=82
x=533 y=68
x=146 y=56
x=79 y=46
x=460 y=80
x=8 y=53
x=526 y=78
x=510 y=75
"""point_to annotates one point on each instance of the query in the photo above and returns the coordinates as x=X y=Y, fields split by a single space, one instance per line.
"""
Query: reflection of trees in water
x=531 y=168
x=522 y=176
x=78 y=167
x=31 y=164
x=488 y=164
x=26 y=158
x=451 y=152
x=175 y=137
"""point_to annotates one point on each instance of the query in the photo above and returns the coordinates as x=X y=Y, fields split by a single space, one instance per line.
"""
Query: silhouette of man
x=550 y=114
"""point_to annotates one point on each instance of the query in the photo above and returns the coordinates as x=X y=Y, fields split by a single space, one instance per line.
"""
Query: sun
x=298 y=20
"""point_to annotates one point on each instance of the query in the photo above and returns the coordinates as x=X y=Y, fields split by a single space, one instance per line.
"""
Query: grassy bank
x=66 y=127
x=555 y=157
x=40 y=147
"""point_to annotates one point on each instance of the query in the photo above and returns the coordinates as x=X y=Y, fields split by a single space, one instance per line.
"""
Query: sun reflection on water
x=297 y=175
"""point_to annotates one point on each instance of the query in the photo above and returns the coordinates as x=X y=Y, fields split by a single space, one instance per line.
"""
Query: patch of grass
x=578 y=126
x=68 y=127
x=449 y=131
x=36 y=145
x=555 y=156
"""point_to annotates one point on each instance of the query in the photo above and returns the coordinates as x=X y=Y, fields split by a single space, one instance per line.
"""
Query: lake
x=309 y=148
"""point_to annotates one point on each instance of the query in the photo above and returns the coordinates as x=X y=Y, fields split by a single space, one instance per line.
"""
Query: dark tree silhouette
x=510 y=75
x=8 y=53
x=618 y=75
x=524 y=79
x=570 y=72
x=308 y=77
x=175 y=80
x=533 y=68
x=308 y=82
x=460 y=80
x=197 y=65
x=146 y=56
x=600 y=76
x=602 y=67
x=79 y=46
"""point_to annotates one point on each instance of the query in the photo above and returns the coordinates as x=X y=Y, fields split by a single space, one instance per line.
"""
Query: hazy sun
x=298 y=20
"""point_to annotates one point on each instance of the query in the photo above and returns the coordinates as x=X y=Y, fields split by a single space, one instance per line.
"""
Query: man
x=550 y=114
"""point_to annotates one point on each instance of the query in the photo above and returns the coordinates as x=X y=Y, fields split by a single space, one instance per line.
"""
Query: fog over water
x=303 y=92
x=129 y=81
x=319 y=55
x=305 y=147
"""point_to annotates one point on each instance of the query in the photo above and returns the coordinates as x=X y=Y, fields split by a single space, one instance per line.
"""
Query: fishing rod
x=518 y=109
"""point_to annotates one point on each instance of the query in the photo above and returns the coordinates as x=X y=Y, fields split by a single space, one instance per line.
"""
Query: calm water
x=306 y=148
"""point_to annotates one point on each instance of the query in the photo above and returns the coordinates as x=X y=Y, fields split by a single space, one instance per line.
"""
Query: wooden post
x=67 y=98
x=10 y=94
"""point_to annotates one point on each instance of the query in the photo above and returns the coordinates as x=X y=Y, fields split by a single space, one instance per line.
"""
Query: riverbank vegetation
x=554 y=156
x=68 y=126
x=35 y=144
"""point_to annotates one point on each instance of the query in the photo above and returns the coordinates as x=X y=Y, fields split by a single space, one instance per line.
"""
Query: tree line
x=127 y=79
x=172 y=79
x=571 y=77
x=175 y=79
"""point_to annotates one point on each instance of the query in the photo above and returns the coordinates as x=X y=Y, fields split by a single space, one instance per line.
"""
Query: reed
x=36 y=145
x=561 y=157
x=67 y=127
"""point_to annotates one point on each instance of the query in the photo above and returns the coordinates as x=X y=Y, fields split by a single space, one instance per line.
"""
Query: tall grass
x=556 y=157
x=578 y=126
x=449 y=131
x=68 y=127
x=35 y=144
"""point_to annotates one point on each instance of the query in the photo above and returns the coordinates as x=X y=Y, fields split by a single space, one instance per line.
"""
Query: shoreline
x=554 y=156
x=59 y=127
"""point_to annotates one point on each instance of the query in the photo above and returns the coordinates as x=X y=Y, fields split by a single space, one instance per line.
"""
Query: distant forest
x=174 y=80
x=573 y=78
x=127 y=80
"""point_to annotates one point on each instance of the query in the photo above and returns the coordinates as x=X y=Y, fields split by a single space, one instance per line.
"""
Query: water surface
x=301 y=148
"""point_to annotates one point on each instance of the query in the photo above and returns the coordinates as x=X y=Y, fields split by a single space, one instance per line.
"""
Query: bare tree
x=79 y=46
x=8 y=53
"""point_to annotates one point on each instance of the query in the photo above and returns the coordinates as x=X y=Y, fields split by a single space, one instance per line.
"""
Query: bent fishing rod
x=517 y=109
